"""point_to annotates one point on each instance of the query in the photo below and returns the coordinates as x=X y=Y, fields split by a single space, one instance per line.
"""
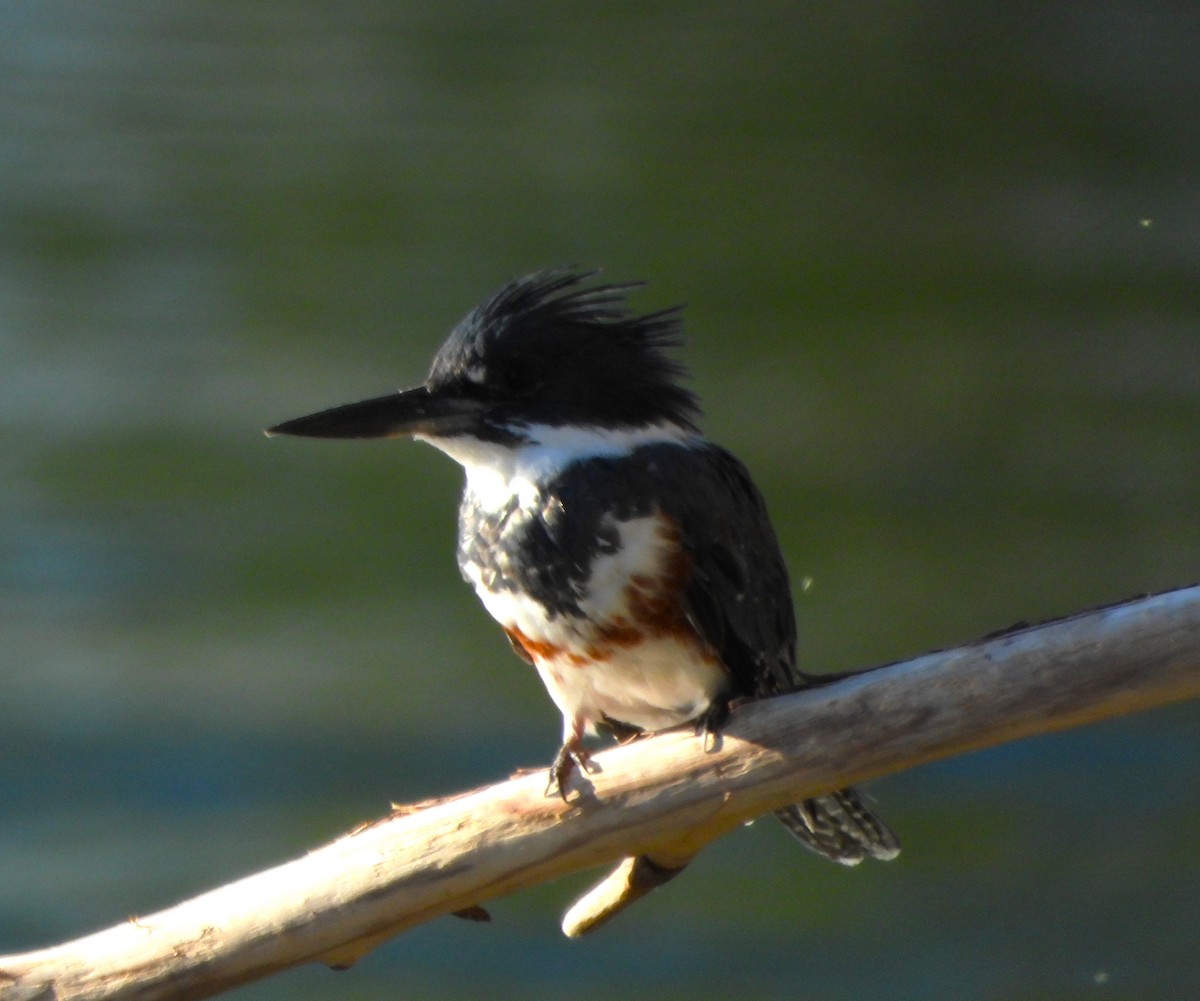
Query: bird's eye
x=521 y=378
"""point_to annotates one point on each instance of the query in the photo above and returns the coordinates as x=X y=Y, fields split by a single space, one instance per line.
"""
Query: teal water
x=940 y=263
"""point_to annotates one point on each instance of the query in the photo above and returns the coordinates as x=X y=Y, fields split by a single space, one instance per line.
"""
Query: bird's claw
x=569 y=756
x=710 y=723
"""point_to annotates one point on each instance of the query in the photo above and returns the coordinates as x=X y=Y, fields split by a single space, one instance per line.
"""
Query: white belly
x=654 y=685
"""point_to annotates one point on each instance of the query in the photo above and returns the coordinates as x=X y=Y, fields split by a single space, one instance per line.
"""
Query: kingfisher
x=628 y=559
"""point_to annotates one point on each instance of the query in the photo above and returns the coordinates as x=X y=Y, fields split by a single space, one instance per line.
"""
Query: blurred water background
x=940 y=261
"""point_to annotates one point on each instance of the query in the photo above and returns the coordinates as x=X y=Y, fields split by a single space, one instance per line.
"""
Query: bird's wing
x=739 y=601
x=737 y=595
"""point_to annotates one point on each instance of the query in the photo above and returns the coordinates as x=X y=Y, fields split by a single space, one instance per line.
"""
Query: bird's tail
x=839 y=827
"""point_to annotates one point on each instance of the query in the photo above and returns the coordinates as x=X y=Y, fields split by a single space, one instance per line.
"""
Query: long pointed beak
x=408 y=412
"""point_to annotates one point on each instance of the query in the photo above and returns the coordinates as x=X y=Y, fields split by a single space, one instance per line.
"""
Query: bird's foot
x=570 y=755
x=711 y=722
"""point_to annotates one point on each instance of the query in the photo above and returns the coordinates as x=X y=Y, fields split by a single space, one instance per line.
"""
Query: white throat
x=496 y=472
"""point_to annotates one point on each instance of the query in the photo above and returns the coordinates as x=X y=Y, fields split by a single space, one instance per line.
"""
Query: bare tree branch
x=654 y=803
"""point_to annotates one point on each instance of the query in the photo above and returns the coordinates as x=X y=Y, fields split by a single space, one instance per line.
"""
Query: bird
x=631 y=561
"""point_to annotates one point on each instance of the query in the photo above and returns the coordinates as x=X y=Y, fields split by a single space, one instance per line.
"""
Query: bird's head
x=547 y=351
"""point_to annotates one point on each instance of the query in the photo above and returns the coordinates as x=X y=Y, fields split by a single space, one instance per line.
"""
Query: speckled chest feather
x=588 y=576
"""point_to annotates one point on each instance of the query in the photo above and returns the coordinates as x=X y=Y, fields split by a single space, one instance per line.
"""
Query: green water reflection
x=940 y=263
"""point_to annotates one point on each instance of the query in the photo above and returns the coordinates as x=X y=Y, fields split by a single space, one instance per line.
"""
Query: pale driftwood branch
x=655 y=803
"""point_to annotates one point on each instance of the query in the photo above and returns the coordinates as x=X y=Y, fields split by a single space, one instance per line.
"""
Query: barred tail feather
x=839 y=827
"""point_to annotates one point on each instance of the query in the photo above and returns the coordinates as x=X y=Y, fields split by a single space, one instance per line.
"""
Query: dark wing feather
x=738 y=596
x=740 y=602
